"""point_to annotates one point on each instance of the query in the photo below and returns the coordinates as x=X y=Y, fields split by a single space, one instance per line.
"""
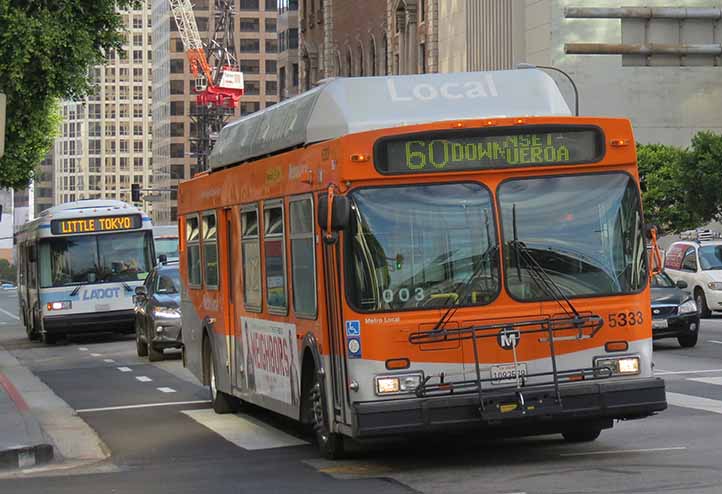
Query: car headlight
x=166 y=312
x=398 y=383
x=687 y=307
x=714 y=285
x=620 y=366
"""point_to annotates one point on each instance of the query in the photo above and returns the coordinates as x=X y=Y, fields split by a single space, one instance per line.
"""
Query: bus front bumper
x=599 y=402
x=122 y=321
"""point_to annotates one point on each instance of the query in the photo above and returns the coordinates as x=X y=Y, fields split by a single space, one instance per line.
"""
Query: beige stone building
x=174 y=101
x=288 y=68
x=105 y=141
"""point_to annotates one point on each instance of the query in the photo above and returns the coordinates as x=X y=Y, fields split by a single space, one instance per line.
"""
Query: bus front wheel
x=330 y=444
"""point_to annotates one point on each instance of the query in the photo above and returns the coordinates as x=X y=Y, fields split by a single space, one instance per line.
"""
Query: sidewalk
x=23 y=443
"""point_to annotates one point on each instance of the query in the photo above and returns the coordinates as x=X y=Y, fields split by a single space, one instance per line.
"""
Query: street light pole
x=571 y=81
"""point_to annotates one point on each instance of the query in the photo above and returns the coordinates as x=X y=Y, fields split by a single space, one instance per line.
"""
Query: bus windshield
x=584 y=231
x=167 y=246
x=419 y=246
x=82 y=259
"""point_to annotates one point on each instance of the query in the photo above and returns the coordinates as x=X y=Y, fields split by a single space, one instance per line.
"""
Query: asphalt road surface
x=163 y=438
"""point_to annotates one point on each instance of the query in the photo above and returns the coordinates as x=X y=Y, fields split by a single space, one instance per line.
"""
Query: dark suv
x=674 y=311
x=157 y=312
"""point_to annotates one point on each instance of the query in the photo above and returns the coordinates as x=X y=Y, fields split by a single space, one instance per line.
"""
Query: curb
x=25 y=457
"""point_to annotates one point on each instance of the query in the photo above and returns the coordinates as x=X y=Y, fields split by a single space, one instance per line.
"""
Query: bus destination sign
x=96 y=225
x=480 y=149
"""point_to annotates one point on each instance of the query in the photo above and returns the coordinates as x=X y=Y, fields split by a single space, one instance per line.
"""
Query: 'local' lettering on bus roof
x=449 y=90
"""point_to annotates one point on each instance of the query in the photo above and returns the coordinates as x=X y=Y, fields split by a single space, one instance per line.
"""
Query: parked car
x=674 y=311
x=698 y=263
x=157 y=312
x=8 y=286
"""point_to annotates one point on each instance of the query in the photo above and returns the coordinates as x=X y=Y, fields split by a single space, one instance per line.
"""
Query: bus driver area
x=422 y=266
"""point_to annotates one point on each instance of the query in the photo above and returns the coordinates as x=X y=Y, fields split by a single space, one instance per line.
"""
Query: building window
x=202 y=23
x=372 y=57
x=270 y=25
x=177 y=129
x=94 y=146
x=94 y=165
x=271 y=87
x=303 y=257
x=248 y=5
x=271 y=46
x=293 y=38
x=137 y=22
x=177 y=108
x=138 y=146
x=137 y=56
x=138 y=111
x=210 y=249
x=137 y=165
x=249 y=66
x=252 y=87
x=194 y=252
x=176 y=86
x=123 y=146
x=177 y=172
x=250 y=107
x=422 y=58
x=271 y=5
x=294 y=75
x=270 y=66
x=123 y=166
x=249 y=45
x=249 y=25
x=177 y=150
x=273 y=250
x=176 y=66
x=251 y=258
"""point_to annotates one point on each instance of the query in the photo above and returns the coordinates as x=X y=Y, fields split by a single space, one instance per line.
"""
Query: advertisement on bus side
x=271 y=359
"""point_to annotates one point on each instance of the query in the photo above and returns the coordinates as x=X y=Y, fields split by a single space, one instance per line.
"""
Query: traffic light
x=135 y=192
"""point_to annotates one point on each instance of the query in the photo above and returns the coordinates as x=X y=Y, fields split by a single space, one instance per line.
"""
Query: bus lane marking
x=243 y=430
x=623 y=451
x=10 y=314
x=669 y=373
x=108 y=360
x=706 y=380
x=145 y=405
x=715 y=341
x=96 y=355
x=125 y=369
x=144 y=379
x=695 y=402
x=82 y=349
x=166 y=390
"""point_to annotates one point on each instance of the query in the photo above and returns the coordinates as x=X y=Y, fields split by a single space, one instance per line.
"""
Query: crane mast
x=218 y=80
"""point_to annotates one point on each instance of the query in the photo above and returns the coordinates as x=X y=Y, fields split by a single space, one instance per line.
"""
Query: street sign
x=3 y=99
x=152 y=197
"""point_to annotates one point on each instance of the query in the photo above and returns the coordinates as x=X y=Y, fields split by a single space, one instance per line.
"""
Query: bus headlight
x=687 y=307
x=60 y=305
x=398 y=383
x=620 y=366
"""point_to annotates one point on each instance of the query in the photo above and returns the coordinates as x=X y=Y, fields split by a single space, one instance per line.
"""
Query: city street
x=162 y=437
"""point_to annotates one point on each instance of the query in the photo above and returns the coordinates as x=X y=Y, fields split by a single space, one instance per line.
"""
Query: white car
x=699 y=264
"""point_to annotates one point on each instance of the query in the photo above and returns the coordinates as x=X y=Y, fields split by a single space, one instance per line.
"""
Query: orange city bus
x=390 y=255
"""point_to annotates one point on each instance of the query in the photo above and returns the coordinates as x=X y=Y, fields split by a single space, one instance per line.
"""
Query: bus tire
x=330 y=444
x=222 y=402
x=31 y=327
x=582 y=435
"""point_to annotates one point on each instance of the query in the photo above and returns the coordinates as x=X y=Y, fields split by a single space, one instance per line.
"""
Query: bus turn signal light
x=397 y=363
x=616 y=346
x=617 y=143
x=359 y=158
x=519 y=121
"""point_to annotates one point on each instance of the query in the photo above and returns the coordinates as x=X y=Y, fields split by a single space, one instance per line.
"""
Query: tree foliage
x=682 y=188
x=7 y=271
x=46 y=50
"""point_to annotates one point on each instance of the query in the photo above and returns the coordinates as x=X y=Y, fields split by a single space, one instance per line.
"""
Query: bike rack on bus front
x=540 y=398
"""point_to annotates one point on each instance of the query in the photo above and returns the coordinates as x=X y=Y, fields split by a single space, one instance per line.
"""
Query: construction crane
x=218 y=80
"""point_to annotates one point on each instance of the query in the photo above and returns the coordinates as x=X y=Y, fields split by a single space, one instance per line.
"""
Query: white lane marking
x=143 y=379
x=166 y=390
x=96 y=355
x=146 y=405
x=243 y=430
x=623 y=451
x=715 y=341
x=125 y=369
x=10 y=314
x=666 y=373
x=108 y=360
x=82 y=349
x=696 y=402
x=706 y=380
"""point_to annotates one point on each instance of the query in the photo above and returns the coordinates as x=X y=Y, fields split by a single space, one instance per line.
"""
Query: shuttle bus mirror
x=340 y=213
x=162 y=259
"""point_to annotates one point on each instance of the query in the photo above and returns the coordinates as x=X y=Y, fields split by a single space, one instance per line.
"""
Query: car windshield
x=81 y=259
x=710 y=257
x=419 y=246
x=662 y=280
x=167 y=247
x=168 y=281
x=584 y=231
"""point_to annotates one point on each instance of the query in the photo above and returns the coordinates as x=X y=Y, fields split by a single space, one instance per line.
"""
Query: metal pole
x=571 y=81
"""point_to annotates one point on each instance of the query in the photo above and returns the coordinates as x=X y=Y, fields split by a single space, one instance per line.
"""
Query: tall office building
x=174 y=102
x=105 y=141
x=43 y=184
x=288 y=70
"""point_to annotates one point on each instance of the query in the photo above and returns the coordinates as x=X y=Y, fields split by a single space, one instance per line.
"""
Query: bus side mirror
x=162 y=259
x=340 y=212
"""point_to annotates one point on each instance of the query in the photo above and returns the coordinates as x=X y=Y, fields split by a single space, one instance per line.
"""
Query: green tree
x=7 y=271
x=46 y=50
x=703 y=175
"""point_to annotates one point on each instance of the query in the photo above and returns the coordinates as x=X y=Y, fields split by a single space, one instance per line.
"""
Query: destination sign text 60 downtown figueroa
x=477 y=149
x=96 y=225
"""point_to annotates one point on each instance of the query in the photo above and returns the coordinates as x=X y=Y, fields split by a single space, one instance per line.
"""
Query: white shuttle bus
x=78 y=266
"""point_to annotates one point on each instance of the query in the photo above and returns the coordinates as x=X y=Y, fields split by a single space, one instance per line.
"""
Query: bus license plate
x=659 y=324
x=503 y=374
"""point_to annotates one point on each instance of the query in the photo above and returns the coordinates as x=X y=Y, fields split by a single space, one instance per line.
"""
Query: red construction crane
x=218 y=80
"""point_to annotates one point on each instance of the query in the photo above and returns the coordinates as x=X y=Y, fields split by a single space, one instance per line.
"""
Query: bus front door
x=337 y=350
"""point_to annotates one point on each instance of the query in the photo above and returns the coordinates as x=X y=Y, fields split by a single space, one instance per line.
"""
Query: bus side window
x=210 y=250
x=274 y=253
x=303 y=257
x=194 y=251
x=251 y=258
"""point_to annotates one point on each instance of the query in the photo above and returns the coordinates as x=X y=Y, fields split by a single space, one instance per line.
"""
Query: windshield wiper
x=538 y=273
